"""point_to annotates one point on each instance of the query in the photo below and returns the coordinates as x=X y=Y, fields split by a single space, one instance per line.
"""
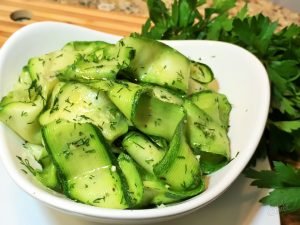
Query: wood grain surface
x=111 y=22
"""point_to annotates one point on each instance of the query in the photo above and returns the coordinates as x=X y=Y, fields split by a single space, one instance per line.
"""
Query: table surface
x=237 y=206
x=110 y=22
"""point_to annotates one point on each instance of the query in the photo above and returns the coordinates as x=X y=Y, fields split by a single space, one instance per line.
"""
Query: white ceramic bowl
x=241 y=77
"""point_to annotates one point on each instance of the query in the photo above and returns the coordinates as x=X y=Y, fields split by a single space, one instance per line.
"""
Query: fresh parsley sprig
x=285 y=182
x=278 y=50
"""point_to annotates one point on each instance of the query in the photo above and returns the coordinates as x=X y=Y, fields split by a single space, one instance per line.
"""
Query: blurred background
x=16 y=13
x=292 y=4
x=282 y=10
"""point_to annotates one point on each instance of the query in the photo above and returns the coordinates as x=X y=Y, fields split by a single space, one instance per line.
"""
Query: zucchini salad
x=134 y=124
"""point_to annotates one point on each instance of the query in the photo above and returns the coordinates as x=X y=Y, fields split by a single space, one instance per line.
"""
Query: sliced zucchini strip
x=201 y=72
x=157 y=63
x=22 y=91
x=142 y=150
x=166 y=95
x=133 y=179
x=179 y=168
x=124 y=95
x=214 y=104
x=81 y=104
x=155 y=117
x=157 y=192
x=104 y=63
x=45 y=69
x=206 y=137
x=84 y=162
x=22 y=118
x=49 y=175
x=20 y=109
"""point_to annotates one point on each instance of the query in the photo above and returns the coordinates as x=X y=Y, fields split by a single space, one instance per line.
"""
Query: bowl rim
x=91 y=211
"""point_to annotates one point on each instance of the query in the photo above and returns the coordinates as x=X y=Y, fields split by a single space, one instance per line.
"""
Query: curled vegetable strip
x=126 y=125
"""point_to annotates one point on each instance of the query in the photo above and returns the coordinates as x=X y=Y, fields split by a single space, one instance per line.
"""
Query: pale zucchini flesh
x=84 y=164
x=128 y=125
x=80 y=104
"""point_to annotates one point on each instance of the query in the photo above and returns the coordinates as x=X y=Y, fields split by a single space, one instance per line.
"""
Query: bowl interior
x=241 y=77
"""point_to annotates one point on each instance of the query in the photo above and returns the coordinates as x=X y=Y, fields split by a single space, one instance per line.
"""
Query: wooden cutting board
x=37 y=10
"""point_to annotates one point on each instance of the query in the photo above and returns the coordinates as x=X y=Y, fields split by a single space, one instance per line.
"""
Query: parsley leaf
x=283 y=175
x=178 y=23
x=252 y=29
x=286 y=181
x=287 y=199
x=288 y=126
x=223 y=5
